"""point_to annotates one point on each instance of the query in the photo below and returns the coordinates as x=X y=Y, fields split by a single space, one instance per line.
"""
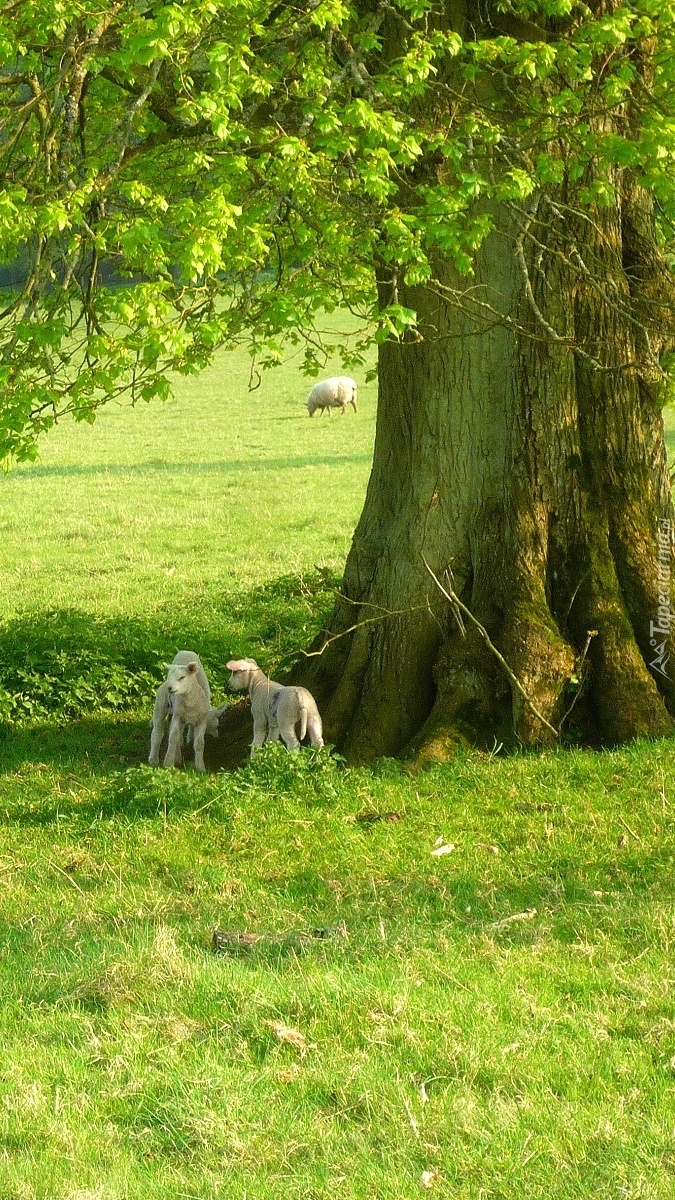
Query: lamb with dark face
x=185 y=696
x=277 y=711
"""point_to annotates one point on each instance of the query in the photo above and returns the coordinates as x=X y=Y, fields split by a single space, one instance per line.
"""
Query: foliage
x=244 y=166
x=62 y=666
x=311 y=774
x=146 y=792
x=69 y=664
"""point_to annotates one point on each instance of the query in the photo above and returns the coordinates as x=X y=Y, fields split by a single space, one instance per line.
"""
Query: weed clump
x=312 y=774
x=67 y=664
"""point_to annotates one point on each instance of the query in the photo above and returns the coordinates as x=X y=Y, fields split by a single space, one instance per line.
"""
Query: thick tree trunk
x=522 y=455
x=536 y=478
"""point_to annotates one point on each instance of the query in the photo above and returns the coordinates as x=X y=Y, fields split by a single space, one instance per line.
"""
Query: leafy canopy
x=180 y=176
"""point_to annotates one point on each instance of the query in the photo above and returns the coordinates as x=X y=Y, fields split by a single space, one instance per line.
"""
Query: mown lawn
x=496 y=1022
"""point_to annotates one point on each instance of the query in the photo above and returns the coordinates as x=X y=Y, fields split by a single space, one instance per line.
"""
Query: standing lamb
x=186 y=697
x=337 y=392
x=276 y=710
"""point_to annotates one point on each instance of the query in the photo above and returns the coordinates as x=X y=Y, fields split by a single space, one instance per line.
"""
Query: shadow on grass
x=95 y=746
x=86 y=746
x=89 y=751
x=73 y=683
x=224 y=467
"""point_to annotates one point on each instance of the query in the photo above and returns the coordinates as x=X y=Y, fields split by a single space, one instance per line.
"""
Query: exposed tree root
x=543 y=663
x=471 y=690
x=232 y=746
x=395 y=691
x=636 y=559
x=624 y=695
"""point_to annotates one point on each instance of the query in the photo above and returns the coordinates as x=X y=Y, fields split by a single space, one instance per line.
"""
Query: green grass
x=497 y=1022
x=198 y=523
x=502 y=1015
x=218 y=489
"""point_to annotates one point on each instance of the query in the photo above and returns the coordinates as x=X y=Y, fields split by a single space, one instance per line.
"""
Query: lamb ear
x=238 y=664
x=192 y=667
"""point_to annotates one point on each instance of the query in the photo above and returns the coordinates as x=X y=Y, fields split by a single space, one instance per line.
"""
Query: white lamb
x=337 y=392
x=185 y=696
x=276 y=710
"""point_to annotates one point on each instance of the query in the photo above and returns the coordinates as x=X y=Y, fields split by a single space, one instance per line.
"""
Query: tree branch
x=452 y=597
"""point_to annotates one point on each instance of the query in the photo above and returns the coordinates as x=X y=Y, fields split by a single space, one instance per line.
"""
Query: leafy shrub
x=71 y=663
x=310 y=773
x=146 y=791
x=65 y=664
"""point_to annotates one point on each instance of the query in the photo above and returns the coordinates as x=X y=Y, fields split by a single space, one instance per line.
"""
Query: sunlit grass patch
x=484 y=1015
x=490 y=1023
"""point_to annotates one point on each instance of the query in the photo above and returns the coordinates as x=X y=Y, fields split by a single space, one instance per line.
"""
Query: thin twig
x=589 y=637
x=401 y=612
x=455 y=601
x=631 y=831
x=71 y=881
x=552 y=333
x=575 y=593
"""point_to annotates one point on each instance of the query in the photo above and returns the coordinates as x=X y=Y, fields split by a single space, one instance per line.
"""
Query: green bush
x=312 y=774
x=70 y=663
x=66 y=664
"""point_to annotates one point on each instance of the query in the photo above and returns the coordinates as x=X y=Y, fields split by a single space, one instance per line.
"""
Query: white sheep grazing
x=276 y=710
x=186 y=697
x=337 y=392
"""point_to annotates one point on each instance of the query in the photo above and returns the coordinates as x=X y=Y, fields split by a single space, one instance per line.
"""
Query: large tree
x=490 y=186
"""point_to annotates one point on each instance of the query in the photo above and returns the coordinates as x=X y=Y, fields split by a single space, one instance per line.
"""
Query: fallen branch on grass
x=231 y=939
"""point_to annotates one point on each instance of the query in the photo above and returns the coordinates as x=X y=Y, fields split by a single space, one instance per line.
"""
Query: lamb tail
x=303 y=719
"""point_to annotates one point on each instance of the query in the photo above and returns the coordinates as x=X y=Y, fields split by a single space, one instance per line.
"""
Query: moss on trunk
x=540 y=481
x=526 y=456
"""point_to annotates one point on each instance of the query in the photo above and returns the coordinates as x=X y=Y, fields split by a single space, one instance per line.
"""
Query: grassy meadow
x=494 y=1022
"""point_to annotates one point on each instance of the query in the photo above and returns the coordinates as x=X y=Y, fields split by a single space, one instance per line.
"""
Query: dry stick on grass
x=456 y=603
x=631 y=831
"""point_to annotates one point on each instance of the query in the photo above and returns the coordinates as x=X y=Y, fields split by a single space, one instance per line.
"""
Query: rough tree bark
x=527 y=457
x=535 y=476
x=539 y=480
